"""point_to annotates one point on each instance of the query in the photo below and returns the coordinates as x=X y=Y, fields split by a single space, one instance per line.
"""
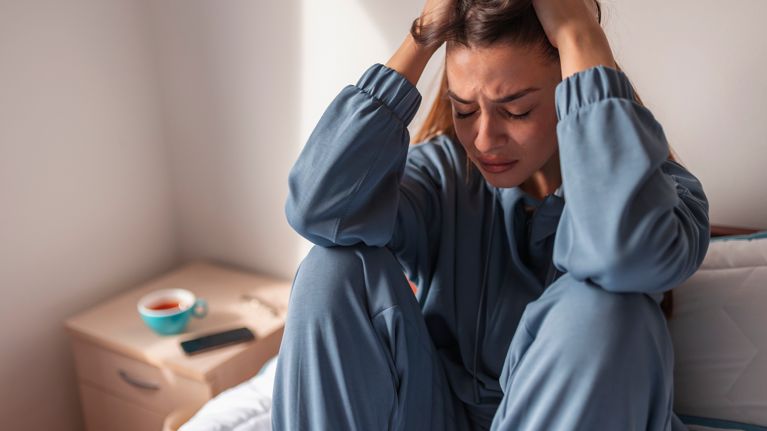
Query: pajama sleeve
x=357 y=179
x=633 y=221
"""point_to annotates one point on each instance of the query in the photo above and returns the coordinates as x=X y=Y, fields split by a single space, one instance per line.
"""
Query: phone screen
x=218 y=339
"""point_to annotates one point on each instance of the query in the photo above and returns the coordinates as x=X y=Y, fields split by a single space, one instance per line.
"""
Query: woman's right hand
x=411 y=58
x=436 y=11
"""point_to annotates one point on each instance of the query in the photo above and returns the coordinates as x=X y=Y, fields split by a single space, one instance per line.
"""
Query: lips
x=496 y=166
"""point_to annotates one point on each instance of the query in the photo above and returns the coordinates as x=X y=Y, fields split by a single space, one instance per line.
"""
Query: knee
x=333 y=280
x=325 y=265
x=586 y=302
x=323 y=275
x=584 y=317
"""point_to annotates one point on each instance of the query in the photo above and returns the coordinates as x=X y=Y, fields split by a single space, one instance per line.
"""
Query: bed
x=719 y=328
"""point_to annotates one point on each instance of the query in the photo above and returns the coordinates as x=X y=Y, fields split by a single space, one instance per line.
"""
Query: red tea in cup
x=167 y=311
x=165 y=304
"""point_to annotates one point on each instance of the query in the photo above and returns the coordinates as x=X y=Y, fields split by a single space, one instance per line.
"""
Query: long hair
x=481 y=23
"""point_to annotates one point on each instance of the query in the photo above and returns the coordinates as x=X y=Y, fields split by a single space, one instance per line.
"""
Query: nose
x=490 y=135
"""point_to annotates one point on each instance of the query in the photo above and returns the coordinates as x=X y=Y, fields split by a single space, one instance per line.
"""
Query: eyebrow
x=504 y=99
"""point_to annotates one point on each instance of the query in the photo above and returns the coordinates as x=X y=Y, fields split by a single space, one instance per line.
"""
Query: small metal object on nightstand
x=255 y=302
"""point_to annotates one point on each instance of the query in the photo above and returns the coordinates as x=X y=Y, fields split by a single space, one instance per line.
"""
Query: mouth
x=497 y=167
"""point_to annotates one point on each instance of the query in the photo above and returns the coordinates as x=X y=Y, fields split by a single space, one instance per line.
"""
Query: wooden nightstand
x=130 y=378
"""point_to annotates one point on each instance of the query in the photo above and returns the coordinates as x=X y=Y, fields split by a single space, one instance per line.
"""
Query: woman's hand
x=436 y=11
x=410 y=58
x=573 y=28
x=562 y=18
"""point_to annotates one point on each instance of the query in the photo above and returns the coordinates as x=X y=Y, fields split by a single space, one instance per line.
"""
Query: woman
x=542 y=227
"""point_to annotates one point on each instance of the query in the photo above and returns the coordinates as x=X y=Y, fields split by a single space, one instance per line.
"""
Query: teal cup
x=167 y=311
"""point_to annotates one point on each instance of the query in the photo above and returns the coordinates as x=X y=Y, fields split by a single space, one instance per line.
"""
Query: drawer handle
x=138 y=383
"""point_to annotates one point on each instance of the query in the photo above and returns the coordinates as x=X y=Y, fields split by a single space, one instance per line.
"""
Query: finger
x=595 y=9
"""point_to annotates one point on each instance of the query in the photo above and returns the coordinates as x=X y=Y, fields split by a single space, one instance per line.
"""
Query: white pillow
x=719 y=329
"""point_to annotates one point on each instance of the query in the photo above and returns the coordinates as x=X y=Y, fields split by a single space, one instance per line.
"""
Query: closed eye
x=462 y=115
x=516 y=116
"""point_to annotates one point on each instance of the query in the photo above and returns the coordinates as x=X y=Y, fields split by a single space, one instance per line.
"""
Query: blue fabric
x=357 y=354
x=625 y=220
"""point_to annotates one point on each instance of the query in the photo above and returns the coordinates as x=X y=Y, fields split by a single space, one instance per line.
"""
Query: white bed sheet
x=245 y=407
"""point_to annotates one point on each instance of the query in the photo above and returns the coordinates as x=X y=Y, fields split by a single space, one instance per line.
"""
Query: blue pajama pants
x=356 y=355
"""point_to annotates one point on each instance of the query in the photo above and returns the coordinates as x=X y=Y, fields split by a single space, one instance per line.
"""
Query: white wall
x=700 y=67
x=135 y=134
x=244 y=84
x=231 y=96
x=85 y=204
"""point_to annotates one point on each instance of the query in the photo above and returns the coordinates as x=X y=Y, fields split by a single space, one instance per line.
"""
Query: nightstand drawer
x=106 y=412
x=135 y=381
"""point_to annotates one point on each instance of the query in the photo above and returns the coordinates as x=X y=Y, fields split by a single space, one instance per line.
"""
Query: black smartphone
x=218 y=339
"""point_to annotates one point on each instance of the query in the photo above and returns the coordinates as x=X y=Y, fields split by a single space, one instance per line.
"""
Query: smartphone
x=216 y=340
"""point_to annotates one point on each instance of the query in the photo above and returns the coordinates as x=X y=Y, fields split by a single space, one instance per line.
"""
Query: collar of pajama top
x=534 y=231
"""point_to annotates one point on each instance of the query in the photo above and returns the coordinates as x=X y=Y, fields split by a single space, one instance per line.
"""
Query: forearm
x=634 y=221
x=583 y=48
x=410 y=59
x=343 y=188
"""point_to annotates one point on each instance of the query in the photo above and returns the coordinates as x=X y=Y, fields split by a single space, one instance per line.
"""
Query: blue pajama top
x=626 y=218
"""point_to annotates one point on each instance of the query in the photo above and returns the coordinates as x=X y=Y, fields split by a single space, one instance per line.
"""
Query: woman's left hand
x=573 y=28
x=564 y=18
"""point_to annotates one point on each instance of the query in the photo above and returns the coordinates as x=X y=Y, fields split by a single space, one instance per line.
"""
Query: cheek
x=538 y=145
x=540 y=134
x=464 y=131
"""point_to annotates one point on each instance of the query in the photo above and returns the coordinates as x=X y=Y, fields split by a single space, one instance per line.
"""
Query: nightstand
x=131 y=378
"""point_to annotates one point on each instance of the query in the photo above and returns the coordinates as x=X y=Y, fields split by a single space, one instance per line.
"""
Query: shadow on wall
x=392 y=18
x=230 y=74
x=392 y=21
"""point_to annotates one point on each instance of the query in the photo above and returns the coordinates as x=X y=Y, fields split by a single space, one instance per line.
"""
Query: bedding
x=245 y=407
x=720 y=342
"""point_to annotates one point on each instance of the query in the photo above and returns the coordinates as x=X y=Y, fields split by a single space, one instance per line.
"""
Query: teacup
x=167 y=311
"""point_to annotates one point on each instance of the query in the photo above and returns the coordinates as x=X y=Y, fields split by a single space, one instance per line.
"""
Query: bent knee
x=324 y=273
x=329 y=261
x=331 y=266
x=580 y=310
x=332 y=279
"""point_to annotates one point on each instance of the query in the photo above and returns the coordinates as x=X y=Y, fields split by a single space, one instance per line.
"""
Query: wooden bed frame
x=719 y=230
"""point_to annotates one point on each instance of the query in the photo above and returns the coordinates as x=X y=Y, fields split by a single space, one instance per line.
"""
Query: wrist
x=424 y=51
x=578 y=34
x=411 y=58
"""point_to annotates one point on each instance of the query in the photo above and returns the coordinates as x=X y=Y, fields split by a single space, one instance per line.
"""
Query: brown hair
x=482 y=23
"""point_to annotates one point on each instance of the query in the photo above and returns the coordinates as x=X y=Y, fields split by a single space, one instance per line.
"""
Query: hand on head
x=563 y=18
x=436 y=11
x=559 y=18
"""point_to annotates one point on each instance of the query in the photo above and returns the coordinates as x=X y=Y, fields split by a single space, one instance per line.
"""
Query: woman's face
x=503 y=110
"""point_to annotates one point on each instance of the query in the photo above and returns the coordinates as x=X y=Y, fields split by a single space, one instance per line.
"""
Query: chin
x=501 y=181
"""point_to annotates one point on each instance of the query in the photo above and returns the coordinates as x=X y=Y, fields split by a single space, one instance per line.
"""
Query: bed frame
x=719 y=230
